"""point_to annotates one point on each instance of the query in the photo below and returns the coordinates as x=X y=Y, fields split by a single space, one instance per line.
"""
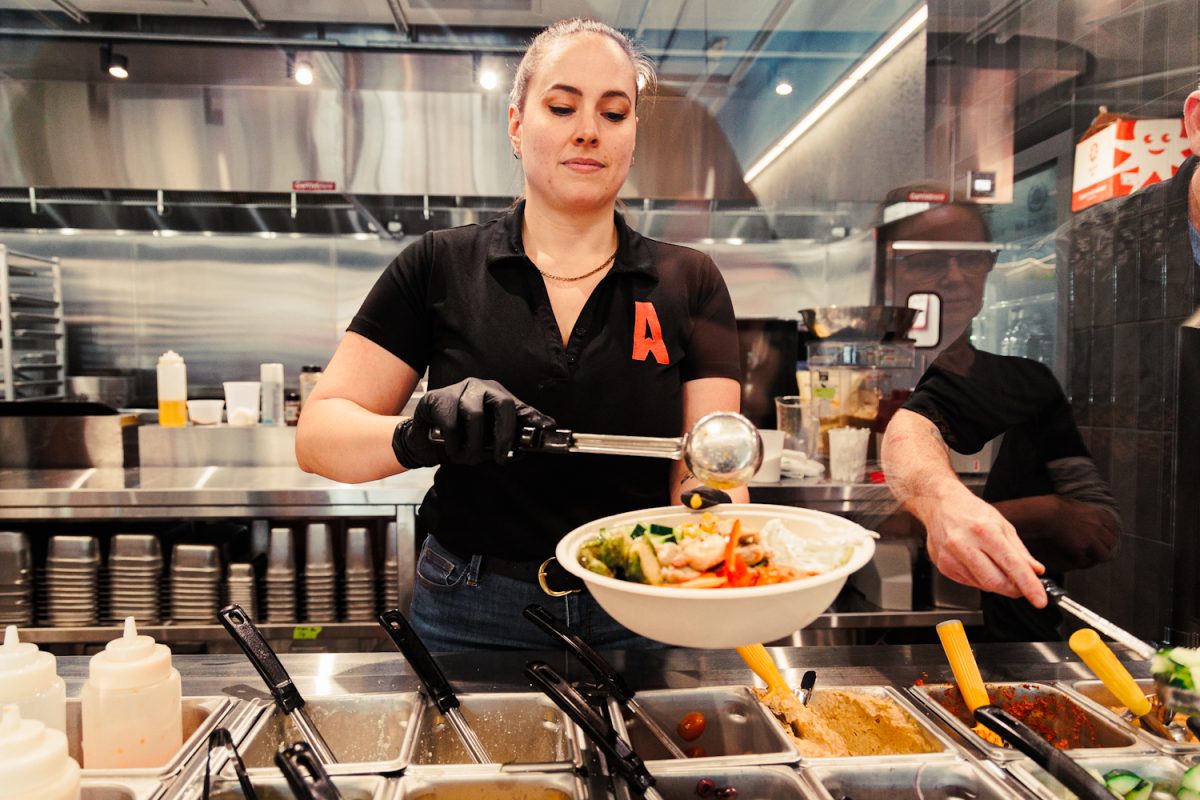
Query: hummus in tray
x=839 y=723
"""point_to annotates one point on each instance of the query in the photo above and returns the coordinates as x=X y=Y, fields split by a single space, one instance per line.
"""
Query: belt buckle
x=541 y=576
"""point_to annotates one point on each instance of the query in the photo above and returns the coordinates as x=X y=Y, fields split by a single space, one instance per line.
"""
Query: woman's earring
x=516 y=155
x=632 y=158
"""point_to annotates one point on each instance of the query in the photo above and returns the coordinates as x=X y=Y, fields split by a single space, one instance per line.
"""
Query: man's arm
x=968 y=540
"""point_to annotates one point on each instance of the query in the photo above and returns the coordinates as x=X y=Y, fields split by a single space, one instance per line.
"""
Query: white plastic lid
x=170 y=358
x=270 y=373
x=32 y=756
x=130 y=662
x=24 y=670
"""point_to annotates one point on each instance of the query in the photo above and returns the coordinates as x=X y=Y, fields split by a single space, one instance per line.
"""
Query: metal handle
x=254 y=645
x=807 y=682
x=595 y=663
x=1109 y=629
x=222 y=739
x=616 y=750
x=1060 y=766
x=560 y=440
x=305 y=776
x=428 y=672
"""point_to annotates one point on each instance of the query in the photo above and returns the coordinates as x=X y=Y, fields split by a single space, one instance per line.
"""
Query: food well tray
x=350 y=787
x=119 y=789
x=923 y=779
x=457 y=786
x=738 y=729
x=1095 y=692
x=751 y=783
x=1049 y=710
x=1162 y=771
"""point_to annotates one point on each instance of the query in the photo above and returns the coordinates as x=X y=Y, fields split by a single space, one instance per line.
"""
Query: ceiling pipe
x=398 y=18
x=255 y=18
x=71 y=11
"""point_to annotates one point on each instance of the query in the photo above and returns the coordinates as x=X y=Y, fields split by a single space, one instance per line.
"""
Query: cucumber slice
x=1122 y=781
x=1141 y=792
x=1187 y=794
x=1191 y=779
x=661 y=530
x=648 y=559
x=637 y=531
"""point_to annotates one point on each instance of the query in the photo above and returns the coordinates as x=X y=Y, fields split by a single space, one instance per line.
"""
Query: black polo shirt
x=467 y=303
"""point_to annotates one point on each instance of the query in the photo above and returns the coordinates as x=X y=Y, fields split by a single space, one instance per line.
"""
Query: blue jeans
x=458 y=605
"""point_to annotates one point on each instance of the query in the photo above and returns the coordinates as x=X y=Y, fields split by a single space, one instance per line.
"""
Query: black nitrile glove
x=478 y=420
x=704 y=497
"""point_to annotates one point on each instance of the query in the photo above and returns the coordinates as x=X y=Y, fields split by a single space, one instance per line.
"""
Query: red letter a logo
x=646 y=322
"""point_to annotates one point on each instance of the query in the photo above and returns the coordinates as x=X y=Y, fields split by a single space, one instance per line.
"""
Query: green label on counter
x=306 y=633
x=824 y=392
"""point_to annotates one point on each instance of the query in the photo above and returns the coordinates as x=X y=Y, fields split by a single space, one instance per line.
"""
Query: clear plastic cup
x=792 y=416
x=772 y=457
x=848 y=454
x=241 y=403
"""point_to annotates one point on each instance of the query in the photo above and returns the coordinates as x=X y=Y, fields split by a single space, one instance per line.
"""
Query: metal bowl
x=873 y=323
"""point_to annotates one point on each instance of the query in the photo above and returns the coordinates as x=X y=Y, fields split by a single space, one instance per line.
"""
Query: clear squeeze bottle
x=132 y=704
x=29 y=680
x=34 y=760
x=172 y=390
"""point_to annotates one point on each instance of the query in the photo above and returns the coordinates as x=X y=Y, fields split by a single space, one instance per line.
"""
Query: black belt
x=557 y=579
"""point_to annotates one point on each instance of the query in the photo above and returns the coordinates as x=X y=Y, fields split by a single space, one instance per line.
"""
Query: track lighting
x=115 y=64
x=783 y=88
x=300 y=70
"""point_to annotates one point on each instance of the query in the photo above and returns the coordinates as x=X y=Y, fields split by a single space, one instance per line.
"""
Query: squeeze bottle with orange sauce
x=172 y=390
x=132 y=704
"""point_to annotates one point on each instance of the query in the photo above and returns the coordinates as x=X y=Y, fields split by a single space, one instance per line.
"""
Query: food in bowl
x=838 y=723
x=205 y=412
x=711 y=553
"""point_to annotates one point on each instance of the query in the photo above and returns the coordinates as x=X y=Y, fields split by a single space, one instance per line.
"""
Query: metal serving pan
x=941 y=744
x=119 y=789
x=738 y=731
x=1162 y=771
x=369 y=733
x=450 y=785
x=1086 y=728
x=521 y=728
x=1096 y=693
x=751 y=782
x=921 y=779
x=200 y=715
x=352 y=787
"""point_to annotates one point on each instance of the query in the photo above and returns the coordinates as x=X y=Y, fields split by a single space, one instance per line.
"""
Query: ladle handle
x=616 y=750
x=1060 y=766
x=560 y=440
x=414 y=650
x=250 y=639
x=305 y=776
x=595 y=663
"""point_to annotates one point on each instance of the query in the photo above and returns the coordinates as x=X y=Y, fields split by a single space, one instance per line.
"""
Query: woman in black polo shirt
x=556 y=302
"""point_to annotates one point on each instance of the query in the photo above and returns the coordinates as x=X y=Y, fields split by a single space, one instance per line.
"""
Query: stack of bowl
x=195 y=583
x=71 y=582
x=320 y=574
x=390 y=579
x=16 y=579
x=281 y=576
x=358 y=580
x=135 y=568
x=242 y=587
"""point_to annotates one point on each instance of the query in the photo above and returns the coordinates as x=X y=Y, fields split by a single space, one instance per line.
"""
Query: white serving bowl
x=205 y=412
x=719 y=618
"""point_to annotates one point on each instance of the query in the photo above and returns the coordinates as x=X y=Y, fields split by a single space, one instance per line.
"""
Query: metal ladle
x=723 y=449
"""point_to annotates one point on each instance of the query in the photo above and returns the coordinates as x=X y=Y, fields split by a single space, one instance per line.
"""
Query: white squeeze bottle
x=172 y=390
x=29 y=680
x=132 y=704
x=34 y=760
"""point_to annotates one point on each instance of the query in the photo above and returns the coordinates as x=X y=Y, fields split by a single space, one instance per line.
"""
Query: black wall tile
x=1123 y=477
x=1152 y=267
x=1102 y=383
x=1151 y=378
x=1103 y=285
x=1101 y=446
x=1151 y=490
x=1125 y=265
x=1125 y=375
x=1080 y=360
x=1149 y=582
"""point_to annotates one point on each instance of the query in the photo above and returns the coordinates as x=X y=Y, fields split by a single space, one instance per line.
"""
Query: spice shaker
x=309 y=375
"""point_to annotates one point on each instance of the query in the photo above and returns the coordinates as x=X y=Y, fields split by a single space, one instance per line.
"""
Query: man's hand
x=971 y=542
x=478 y=421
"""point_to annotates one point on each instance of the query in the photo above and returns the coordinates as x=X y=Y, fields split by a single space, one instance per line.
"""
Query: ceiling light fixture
x=114 y=64
x=914 y=23
x=783 y=88
x=299 y=70
x=488 y=78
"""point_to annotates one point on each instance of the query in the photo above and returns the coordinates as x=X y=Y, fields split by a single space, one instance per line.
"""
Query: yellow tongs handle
x=1101 y=660
x=759 y=660
x=962 y=663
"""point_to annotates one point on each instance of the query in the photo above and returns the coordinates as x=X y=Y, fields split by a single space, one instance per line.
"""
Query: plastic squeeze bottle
x=172 y=390
x=29 y=680
x=132 y=704
x=271 y=380
x=34 y=760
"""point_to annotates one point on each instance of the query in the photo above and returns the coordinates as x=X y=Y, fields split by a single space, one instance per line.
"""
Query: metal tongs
x=305 y=776
x=608 y=677
x=618 y=753
x=1094 y=620
x=434 y=681
x=722 y=449
x=287 y=696
x=222 y=739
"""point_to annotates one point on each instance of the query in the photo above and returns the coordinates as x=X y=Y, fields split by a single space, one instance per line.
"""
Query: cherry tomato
x=697 y=751
x=691 y=727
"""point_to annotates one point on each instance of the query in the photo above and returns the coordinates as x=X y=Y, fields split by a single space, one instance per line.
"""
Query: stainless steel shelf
x=199 y=634
x=31 y=324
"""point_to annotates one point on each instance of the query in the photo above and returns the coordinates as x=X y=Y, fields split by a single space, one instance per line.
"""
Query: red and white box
x=1124 y=156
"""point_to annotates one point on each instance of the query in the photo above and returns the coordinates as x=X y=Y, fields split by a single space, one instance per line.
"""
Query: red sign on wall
x=314 y=186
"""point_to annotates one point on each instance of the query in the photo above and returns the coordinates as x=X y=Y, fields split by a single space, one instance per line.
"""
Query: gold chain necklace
x=561 y=279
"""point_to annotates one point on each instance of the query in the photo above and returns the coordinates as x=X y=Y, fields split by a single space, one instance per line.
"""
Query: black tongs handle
x=305 y=776
x=595 y=663
x=1060 y=766
x=617 y=751
x=254 y=645
x=222 y=739
x=414 y=650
